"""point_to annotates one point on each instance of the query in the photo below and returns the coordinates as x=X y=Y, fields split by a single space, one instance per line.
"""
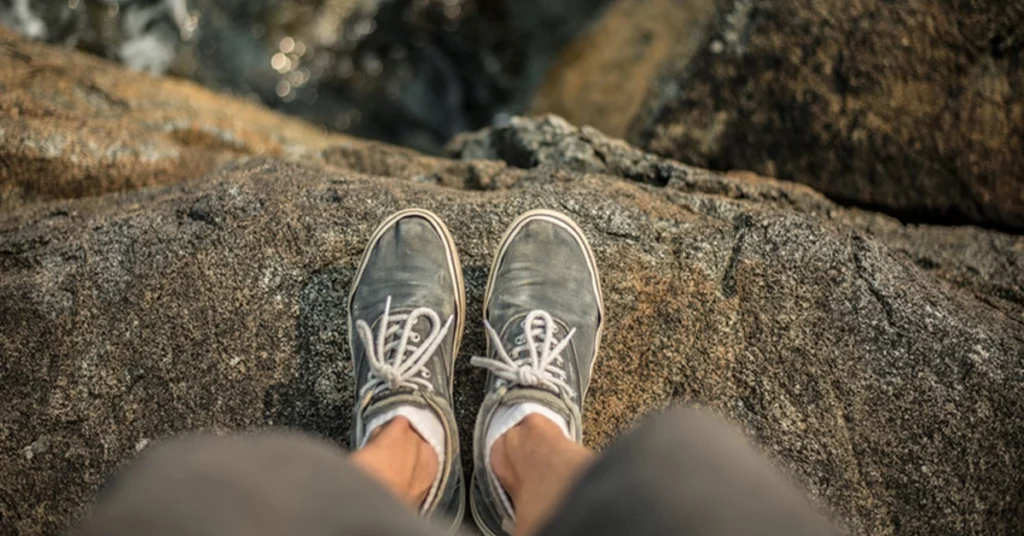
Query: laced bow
x=541 y=366
x=397 y=355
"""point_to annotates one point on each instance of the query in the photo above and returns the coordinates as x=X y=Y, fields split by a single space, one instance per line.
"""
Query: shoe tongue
x=516 y=329
x=519 y=395
x=392 y=399
x=421 y=326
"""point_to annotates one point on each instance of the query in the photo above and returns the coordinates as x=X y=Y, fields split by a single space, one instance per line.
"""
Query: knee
x=682 y=426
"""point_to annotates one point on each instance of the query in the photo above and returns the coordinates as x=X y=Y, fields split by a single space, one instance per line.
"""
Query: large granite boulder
x=881 y=364
x=913 y=108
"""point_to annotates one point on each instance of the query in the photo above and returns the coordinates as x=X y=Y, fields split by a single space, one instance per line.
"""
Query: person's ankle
x=423 y=460
x=510 y=450
x=401 y=459
x=502 y=466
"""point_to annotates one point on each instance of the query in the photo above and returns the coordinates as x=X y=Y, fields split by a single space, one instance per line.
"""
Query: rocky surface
x=984 y=262
x=910 y=108
x=881 y=364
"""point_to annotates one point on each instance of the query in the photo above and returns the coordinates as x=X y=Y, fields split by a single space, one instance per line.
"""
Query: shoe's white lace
x=397 y=355
x=541 y=366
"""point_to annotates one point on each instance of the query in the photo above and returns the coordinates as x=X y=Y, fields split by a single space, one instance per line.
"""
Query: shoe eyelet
x=425 y=373
x=520 y=340
x=414 y=337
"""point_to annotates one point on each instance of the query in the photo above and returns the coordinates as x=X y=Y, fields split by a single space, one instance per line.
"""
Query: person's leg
x=537 y=464
x=268 y=484
x=400 y=460
x=406 y=312
x=681 y=472
x=543 y=315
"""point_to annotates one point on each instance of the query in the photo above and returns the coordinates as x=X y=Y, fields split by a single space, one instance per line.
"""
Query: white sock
x=504 y=418
x=427 y=424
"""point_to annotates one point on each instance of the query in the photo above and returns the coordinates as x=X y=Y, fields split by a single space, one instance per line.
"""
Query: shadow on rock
x=317 y=398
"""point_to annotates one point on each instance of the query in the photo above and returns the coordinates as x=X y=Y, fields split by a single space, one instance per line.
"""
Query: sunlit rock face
x=414 y=72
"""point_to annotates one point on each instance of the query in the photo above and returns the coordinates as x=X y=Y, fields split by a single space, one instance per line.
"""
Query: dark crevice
x=864 y=274
x=741 y=224
x=949 y=217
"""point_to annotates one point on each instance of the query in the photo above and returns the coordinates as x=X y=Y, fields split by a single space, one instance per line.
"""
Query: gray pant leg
x=684 y=472
x=269 y=484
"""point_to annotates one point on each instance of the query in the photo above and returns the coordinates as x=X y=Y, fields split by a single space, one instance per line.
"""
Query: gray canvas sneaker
x=543 y=315
x=406 y=312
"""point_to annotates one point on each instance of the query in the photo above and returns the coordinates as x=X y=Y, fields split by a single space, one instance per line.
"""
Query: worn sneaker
x=406 y=312
x=543 y=315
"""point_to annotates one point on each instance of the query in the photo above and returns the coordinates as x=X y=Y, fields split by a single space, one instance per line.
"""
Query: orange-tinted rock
x=603 y=77
x=73 y=125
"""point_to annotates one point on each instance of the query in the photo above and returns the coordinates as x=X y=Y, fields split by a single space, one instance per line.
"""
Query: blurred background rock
x=914 y=109
x=412 y=72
